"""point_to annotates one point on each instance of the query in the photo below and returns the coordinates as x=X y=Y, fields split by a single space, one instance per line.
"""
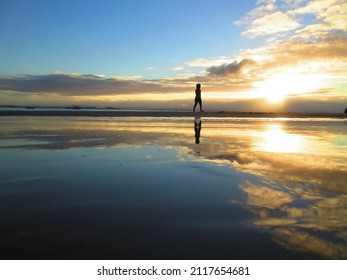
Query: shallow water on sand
x=172 y=188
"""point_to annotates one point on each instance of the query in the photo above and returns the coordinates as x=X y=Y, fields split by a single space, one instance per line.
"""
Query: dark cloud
x=70 y=85
x=229 y=69
x=81 y=85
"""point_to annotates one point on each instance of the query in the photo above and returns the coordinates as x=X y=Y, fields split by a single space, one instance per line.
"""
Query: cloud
x=305 y=241
x=324 y=60
x=332 y=13
x=124 y=78
x=258 y=12
x=58 y=88
x=177 y=68
x=83 y=85
x=263 y=196
x=229 y=69
x=208 y=62
x=268 y=19
x=312 y=31
x=278 y=18
x=312 y=43
x=289 y=52
x=271 y=24
x=319 y=7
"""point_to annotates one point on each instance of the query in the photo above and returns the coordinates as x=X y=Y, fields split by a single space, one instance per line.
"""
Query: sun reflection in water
x=276 y=140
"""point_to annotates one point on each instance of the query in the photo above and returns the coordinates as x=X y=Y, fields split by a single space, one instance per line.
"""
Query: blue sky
x=115 y=37
x=277 y=55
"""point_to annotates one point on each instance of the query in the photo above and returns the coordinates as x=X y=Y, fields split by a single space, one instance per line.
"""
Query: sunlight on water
x=275 y=139
x=279 y=181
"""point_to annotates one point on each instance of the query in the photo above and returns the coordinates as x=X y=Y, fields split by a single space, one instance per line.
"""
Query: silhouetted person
x=346 y=111
x=198 y=97
x=197 y=128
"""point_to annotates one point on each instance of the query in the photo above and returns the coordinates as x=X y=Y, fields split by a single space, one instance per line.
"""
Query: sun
x=277 y=88
x=275 y=98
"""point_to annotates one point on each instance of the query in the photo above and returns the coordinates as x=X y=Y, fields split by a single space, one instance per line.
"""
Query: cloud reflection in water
x=293 y=172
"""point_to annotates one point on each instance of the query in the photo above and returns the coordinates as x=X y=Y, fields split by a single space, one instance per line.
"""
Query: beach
x=172 y=185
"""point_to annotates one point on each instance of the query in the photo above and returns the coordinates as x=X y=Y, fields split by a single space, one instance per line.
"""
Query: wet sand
x=217 y=114
x=142 y=188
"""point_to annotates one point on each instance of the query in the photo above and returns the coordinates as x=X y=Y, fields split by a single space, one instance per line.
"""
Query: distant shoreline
x=120 y=113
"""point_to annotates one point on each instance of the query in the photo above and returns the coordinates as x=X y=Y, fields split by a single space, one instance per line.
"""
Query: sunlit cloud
x=296 y=226
x=263 y=8
x=306 y=242
x=271 y=24
x=299 y=67
x=208 y=62
x=125 y=78
x=262 y=196
x=314 y=30
x=271 y=17
x=177 y=68
x=330 y=14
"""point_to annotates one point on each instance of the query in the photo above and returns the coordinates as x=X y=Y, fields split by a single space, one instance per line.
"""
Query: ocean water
x=172 y=188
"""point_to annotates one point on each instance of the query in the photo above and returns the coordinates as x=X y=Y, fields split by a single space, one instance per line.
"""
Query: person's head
x=198 y=85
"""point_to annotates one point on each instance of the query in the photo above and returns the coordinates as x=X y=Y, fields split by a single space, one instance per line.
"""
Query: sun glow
x=275 y=98
x=276 y=140
x=279 y=86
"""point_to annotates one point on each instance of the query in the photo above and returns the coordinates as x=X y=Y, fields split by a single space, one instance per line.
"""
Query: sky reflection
x=275 y=139
x=289 y=174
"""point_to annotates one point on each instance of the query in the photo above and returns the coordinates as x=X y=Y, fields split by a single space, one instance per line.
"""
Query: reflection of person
x=198 y=97
x=197 y=128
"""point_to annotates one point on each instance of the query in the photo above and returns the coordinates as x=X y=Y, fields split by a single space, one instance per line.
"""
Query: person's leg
x=196 y=103
x=200 y=103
